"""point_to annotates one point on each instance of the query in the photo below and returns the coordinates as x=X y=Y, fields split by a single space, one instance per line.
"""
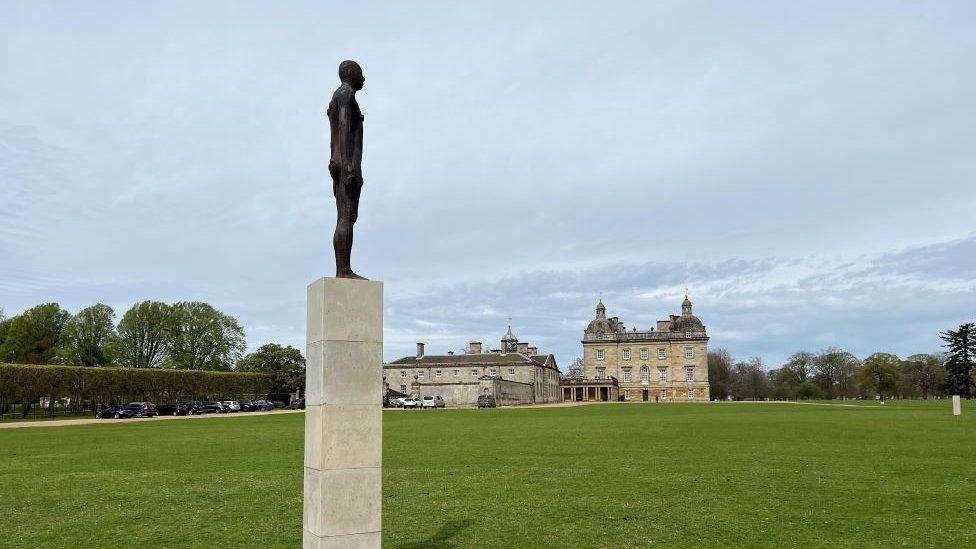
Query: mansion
x=514 y=373
x=666 y=363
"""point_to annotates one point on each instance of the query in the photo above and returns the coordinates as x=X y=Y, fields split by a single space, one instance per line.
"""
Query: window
x=601 y=373
x=438 y=373
x=599 y=335
x=457 y=373
x=645 y=374
x=599 y=354
x=403 y=389
x=690 y=374
x=474 y=372
x=626 y=354
x=403 y=373
x=691 y=394
x=511 y=371
x=643 y=354
x=689 y=352
x=664 y=394
x=627 y=375
x=662 y=354
x=420 y=375
x=493 y=371
x=662 y=374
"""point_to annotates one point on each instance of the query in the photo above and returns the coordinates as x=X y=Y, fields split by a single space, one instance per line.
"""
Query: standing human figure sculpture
x=345 y=164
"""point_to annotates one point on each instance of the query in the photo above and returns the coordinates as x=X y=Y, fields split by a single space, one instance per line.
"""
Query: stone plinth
x=343 y=414
x=956 y=405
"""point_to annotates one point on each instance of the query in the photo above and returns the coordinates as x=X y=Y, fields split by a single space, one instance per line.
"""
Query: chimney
x=533 y=350
x=522 y=348
x=474 y=348
x=420 y=350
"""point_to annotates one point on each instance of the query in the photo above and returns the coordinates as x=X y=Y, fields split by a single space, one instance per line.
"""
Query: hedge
x=103 y=385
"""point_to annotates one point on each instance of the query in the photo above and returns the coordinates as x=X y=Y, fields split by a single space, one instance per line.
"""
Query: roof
x=474 y=359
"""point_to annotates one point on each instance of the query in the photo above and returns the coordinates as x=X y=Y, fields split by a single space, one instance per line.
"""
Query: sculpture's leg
x=347 y=191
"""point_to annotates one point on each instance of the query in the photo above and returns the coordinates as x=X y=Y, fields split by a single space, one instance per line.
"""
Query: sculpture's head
x=350 y=71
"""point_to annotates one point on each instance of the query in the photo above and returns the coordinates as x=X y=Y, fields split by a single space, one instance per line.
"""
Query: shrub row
x=106 y=385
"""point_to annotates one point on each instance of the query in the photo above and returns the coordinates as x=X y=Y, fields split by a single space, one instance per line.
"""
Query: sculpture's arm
x=345 y=147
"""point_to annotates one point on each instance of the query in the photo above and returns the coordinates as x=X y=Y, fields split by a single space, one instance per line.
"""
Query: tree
x=34 y=337
x=144 y=336
x=749 y=380
x=286 y=365
x=719 y=373
x=576 y=368
x=924 y=373
x=87 y=337
x=960 y=360
x=879 y=374
x=204 y=338
x=833 y=372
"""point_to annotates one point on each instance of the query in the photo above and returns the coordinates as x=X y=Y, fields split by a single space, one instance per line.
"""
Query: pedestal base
x=343 y=415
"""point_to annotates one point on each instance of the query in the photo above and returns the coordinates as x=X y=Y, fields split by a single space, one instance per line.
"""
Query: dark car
x=486 y=401
x=143 y=409
x=115 y=412
x=173 y=409
x=193 y=407
x=246 y=405
x=298 y=403
x=263 y=405
x=213 y=408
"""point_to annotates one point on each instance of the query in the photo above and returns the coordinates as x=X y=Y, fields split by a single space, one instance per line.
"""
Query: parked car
x=246 y=405
x=173 y=409
x=298 y=403
x=433 y=401
x=193 y=407
x=486 y=401
x=410 y=402
x=231 y=405
x=397 y=402
x=263 y=405
x=213 y=408
x=142 y=409
x=115 y=412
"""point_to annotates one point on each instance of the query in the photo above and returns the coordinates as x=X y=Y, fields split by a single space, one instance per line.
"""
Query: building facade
x=515 y=373
x=669 y=362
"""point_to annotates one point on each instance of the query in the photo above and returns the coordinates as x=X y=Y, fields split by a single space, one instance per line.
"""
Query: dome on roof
x=598 y=325
x=509 y=336
x=687 y=323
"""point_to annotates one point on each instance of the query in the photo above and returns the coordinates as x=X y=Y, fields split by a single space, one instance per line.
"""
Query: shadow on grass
x=441 y=538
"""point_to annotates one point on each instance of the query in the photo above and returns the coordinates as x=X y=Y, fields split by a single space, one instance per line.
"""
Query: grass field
x=618 y=475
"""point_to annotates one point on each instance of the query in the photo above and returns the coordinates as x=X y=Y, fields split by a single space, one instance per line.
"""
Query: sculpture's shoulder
x=344 y=95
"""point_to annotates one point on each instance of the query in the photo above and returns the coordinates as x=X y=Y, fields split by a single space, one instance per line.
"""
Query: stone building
x=665 y=363
x=515 y=373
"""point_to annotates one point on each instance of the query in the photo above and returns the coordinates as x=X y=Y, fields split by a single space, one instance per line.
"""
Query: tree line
x=187 y=335
x=835 y=373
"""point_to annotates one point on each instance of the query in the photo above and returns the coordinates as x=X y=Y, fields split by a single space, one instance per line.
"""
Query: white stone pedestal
x=956 y=405
x=343 y=415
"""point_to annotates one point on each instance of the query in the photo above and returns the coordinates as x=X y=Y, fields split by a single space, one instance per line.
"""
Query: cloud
x=808 y=181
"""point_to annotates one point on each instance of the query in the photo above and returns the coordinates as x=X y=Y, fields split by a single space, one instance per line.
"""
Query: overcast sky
x=805 y=169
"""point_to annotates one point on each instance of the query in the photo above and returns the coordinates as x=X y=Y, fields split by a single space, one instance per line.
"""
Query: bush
x=27 y=383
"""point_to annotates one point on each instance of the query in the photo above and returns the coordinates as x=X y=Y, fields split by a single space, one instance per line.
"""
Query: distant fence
x=46 y=391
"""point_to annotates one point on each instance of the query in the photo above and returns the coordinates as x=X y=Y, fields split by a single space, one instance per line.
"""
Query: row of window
x=645 y=374
x=457 y=373
x=661 y=353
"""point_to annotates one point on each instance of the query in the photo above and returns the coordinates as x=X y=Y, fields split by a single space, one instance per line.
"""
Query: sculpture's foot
x=349 y=274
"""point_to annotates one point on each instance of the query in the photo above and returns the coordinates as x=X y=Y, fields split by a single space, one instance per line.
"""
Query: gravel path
x=93 y=421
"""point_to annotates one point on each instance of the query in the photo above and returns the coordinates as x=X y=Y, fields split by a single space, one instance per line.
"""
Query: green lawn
x=615 y=475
